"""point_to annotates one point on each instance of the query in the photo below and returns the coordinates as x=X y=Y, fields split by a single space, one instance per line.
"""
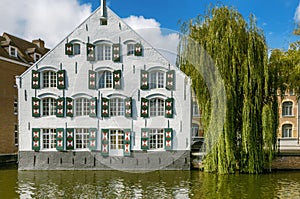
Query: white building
x=104 y=98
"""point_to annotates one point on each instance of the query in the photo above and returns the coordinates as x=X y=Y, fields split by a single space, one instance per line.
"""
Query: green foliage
x=242 y=137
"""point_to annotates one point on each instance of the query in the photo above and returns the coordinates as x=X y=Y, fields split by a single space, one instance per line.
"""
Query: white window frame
x=103 y=52
x=287 y=108
x=49 y=79
x=157 y=107
x=156 y=139
x=105 y=79
x=81 y=138
x=48 y=138
x=287 y=131
x=36 y=57
x=117 y=107
x=196 y=112
x=48 y=106
x=116 y=139
x=13 y=51
x=195 y=130
x=81 y=106
x=16 y=106
x=130 y=49
x=76 y=49
x=157 y=79
x=16 y=135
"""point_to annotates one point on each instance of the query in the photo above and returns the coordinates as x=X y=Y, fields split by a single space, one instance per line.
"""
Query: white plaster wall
x=78 y=84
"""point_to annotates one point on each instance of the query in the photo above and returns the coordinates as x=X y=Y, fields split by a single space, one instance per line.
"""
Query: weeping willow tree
x=227 y=60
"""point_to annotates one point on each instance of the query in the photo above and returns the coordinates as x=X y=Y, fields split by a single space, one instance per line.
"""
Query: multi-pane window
x=156 y=79
x=76 y=49
x=116 y=139
x=49 y=138
x=195 y=130
x=130 y=49
x=49 y=79
x=82 y=137
x=156 y=138
x=105 y=79
x=81 y=106
x=287 y=108
x=13 y=51
x=116 y=107
x=49 y=106
x=195 y=109
x=157 y=107
x=16 y=106
x=36 y=57
x=103 y=52
x=287 y=130
x=16 y=135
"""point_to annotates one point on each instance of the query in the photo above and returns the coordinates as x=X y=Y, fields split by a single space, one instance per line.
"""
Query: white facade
x=77 y=81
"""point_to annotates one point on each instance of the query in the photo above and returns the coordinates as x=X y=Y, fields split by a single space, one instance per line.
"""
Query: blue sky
x=275 y=17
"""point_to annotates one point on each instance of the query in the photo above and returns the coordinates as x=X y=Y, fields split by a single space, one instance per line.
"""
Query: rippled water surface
x=159 y=184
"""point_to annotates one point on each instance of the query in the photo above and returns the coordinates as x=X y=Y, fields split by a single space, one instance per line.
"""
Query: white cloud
x=297 y=14
x=50 y=20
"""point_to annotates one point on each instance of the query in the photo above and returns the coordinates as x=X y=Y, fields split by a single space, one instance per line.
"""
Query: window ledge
x=288 y=116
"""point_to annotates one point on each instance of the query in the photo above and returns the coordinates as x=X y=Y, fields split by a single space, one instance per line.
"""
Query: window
x=16 y=106
x=13 y=51
x=157 y=107
x=16 y=135
x=103 y=52
x=116 y=107
x=49 y=79
x=287 y=131
x=156 y=79
x=36 y=57
x=49 y=138
x=291 y=92
x=156 y=138
x=195 y=130
x=287 y=108
x=116 y=139
x=105 y=79
x=49 y=106
x=195 y=109
x=76 y=49
x=82 y=137
x=103 y=21
x=81 y=107
x=130 y=49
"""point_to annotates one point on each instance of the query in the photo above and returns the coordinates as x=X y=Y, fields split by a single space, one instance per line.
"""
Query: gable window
x=81 y=106
x=287 y=108
x=82 y=138
x=13 y=51
x=76 y=49
x=116 y=139
x=105 y=79
x=156 y=79
x=49 y=79
x=103 y=52
x=49 y=138
x=130 y=49
x=49 y=106
x=157 y=107
x=36 y=57
x=116 y=107
x=156 y=140
x=287 y=131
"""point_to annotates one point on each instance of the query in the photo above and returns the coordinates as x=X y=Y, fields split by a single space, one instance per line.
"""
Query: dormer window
x=36 y=57
x=13 y=51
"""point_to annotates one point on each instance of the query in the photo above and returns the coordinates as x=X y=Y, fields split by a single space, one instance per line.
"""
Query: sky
x=53 y=20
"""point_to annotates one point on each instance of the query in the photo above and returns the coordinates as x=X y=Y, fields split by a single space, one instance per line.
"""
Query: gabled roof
x=25 y=48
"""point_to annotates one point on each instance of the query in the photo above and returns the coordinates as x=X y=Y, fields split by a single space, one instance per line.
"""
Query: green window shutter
x=92 y=80
x=116 y=52
x=127 y=142
x=138 y=49
x=60 y=132
x=144 y=80
x=35 y=79
x=169 y=108
x=70 y=139
x=170 y=80
x=144 y=107
x=61 y=79
x=93 y=107
x=117 y=74
x=145 y=139
x=105 y=142
x=69 y=49
x=90 y=51
x=92 y=139
x=60 y=107
x=168 y=138
x=128 y=107
x=69 y=107
x=36 y=139
x=104 y=107
x=36 y=103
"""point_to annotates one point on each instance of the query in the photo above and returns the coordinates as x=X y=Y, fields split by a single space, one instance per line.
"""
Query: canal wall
x=86 y=160
x=8 y=158
x=286 y=162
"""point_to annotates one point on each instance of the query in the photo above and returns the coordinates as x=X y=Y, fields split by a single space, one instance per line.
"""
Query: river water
x=158 y=184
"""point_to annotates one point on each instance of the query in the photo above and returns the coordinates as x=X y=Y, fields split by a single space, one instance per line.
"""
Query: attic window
x=36 y=57
x=13 y=51
x=103 y=21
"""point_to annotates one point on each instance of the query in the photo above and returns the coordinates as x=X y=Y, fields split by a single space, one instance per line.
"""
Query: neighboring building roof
x=25 y=49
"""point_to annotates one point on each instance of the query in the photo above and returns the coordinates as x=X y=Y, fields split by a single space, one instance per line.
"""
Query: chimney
x=103 y=8
x=40 y=43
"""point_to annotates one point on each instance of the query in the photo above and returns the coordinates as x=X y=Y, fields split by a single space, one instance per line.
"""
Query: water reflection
x=159 y=184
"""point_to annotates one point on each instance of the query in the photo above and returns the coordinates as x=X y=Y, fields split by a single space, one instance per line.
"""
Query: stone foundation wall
x=286 y=162
x=86 y=160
